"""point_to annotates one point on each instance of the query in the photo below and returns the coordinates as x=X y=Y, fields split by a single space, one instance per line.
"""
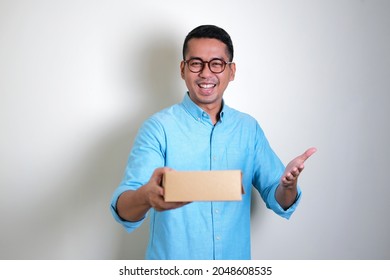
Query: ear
x=232 y=71
x=182 y=65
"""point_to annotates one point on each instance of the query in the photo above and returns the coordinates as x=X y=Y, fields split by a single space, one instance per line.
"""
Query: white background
x=77 y=78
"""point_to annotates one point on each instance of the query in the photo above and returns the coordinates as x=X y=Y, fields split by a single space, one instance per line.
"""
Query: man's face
x=206 y=88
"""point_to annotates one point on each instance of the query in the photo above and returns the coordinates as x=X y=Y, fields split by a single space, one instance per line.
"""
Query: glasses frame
x=208 y=64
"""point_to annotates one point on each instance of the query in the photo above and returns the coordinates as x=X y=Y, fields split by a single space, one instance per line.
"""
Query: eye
x=216 y=63
x=196 y=63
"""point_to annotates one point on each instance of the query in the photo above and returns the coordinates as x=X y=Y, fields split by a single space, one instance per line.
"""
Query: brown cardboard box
x=216 y=185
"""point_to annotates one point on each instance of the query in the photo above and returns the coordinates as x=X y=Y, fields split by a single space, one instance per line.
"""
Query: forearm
x=132 y=205
x=286 y=196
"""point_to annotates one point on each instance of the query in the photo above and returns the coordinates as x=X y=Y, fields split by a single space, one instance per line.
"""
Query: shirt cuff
x=275 y=206
x=129 y=226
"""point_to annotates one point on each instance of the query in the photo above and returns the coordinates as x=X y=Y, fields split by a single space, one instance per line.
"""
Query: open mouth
x=206 y=86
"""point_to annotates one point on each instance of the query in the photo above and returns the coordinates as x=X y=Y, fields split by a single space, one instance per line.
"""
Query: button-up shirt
x=183 y=137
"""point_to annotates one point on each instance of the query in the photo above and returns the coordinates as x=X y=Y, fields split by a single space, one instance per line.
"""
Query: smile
x=206 y=86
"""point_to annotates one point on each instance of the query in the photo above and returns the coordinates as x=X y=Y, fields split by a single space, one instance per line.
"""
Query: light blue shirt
x=183 y=137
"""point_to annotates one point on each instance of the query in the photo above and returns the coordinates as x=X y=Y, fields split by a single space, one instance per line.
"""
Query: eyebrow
x=196 y=57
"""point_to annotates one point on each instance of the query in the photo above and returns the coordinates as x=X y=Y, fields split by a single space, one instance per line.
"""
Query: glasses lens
x=195 y=65
x=217 y=65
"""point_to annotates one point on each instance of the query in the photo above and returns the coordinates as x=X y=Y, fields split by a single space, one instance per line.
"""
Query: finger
x=179 y=204
x=286 y=181
x=160 y=191
x=308 y=153
x=158 y=173
x=295 y=171
x=170 y=205
x=289 y=177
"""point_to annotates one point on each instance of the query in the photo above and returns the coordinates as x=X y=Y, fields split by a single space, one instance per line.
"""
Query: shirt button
x=214 y=157
x=218 y=237
x=216 y=211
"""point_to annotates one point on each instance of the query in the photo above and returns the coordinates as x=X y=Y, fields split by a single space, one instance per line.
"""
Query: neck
x=213 y=112
x=213 y=109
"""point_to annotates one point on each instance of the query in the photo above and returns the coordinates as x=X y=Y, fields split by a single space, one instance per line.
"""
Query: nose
x=206 y=72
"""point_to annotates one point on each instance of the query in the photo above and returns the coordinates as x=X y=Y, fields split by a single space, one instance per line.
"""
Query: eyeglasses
x=216 y=65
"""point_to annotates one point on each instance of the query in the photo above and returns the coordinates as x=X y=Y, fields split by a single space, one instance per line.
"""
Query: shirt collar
x=197 y=112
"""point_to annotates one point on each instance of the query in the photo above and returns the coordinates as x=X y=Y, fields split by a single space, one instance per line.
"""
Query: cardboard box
x=216 y=185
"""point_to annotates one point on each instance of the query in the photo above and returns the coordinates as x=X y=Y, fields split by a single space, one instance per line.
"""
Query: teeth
x=207 y=85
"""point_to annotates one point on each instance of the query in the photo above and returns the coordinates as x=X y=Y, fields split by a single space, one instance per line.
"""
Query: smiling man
x=203 y=133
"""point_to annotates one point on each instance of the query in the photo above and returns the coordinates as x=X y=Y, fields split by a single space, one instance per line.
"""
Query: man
x=203 y=133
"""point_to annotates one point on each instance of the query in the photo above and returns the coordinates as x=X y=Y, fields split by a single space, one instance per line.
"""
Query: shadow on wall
x=75 y=222
x=156 y=68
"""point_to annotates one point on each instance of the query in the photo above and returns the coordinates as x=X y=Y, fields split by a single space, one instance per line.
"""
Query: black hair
x=212 y=32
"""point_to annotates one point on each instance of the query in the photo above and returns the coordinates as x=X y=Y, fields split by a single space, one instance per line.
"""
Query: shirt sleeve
x=146 y=155
x=268 y=170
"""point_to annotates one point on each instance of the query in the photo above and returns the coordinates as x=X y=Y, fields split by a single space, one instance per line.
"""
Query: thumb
x=158 y=174
x=308 y=153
